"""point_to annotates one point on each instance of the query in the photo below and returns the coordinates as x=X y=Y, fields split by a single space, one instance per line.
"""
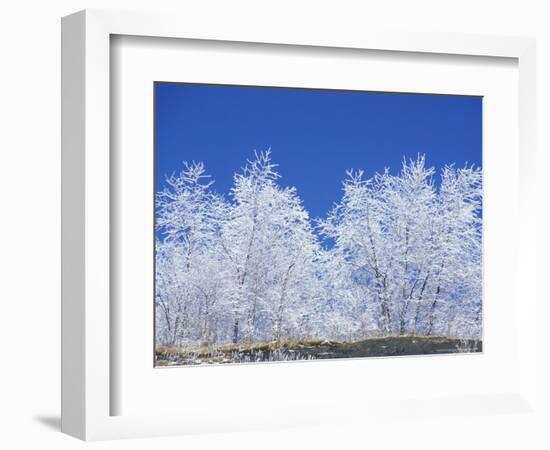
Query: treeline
x=405 y=257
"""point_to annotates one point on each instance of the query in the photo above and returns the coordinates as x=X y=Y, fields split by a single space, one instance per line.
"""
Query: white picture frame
x=86 y=219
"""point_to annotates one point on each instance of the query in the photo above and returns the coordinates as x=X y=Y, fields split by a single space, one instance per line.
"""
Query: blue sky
x=315 y=135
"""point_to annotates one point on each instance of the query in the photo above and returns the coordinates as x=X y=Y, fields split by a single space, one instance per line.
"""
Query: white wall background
x=30 y=198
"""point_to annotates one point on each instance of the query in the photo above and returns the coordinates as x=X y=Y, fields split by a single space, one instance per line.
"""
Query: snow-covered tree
x=405 y=259
x=189 y=274
x=270 y=245
x=409 y=253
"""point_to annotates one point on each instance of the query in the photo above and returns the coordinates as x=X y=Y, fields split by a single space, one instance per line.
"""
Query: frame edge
x=73 y=83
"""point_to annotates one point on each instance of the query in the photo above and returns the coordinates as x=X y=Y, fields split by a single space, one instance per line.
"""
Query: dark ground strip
x=386 y=346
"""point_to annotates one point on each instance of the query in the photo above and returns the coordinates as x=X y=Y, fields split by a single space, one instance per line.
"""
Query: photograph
x=302 y=224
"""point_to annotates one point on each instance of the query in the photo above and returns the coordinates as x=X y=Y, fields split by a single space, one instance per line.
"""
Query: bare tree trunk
x=236 y=330
x=436 y=298
x=386 y=307
x=405 y=308
x=381 y=286
x=245 y=269
x=432 y=312
x=405 y=284
x=251 y=320
x=419 y=302
x=175 y=332
x=166 y=310
x=206 y=324
x=282 y=299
